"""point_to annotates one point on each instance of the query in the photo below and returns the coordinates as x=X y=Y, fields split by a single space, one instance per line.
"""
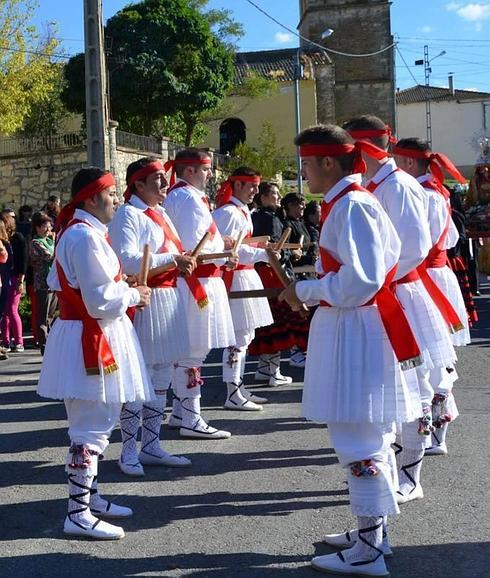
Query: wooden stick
x=200 y=246
x=145 y=265
x=254 y=293
x=284 y=237
x=304 y=269
x=159 y=270
x=213 y=256
x=301 y=241
x=238 y=242
x=281 y=274
x=292 y=246
x=251 y=240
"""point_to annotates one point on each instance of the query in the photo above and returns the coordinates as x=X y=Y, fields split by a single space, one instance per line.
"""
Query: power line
x=406 y=65
x=294 y=33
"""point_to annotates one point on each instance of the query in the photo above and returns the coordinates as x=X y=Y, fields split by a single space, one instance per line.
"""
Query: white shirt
x=231 y=219
x=131 y=229
x=90 y=264
x=192 y=219
x=360 y=236
x=407 y=205
x=439 y=210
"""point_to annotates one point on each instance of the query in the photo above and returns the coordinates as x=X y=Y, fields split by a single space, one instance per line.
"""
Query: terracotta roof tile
x=420 y=92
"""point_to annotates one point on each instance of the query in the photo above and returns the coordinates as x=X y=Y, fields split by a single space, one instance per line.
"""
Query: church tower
x=362 y=85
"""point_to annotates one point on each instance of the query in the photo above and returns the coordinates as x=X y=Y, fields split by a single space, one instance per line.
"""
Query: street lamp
x=428 y=70
x=298 y=74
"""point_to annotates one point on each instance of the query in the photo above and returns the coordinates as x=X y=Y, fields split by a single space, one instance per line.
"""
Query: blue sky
x=460 y=28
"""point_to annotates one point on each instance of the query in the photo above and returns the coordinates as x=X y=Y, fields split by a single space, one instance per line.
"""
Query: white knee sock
x=409 y=472
x=130 y=422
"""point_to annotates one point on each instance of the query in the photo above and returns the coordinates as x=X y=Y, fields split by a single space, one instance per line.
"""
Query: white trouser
x=354 y=442
x=234 y=356
x=90 y=423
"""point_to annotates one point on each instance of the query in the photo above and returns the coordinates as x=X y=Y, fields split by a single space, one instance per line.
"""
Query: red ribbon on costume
x=95 y=347
x=437 y=162
x=226 y=190
x=171 y=164
x=373 y=133
x=89 y=191
x=337 y=150
x=392 y=315
x=141 y=175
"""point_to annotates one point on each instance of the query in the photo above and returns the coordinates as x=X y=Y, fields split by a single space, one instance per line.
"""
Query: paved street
x=255 y=505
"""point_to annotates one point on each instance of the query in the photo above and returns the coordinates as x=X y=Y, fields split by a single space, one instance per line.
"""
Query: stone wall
x=362 y=85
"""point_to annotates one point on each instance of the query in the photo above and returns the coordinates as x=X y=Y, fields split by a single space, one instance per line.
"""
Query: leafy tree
x=268 y=159
x=26 y=71
x=46 y=116
x=164 y=60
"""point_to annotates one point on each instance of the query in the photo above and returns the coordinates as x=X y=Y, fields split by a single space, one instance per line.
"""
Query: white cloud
x=283 y=37
x=427 y=29
x=472 y=12
x=471 y=89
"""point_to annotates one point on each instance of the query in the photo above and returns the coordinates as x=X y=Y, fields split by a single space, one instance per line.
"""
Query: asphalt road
x=253 y=506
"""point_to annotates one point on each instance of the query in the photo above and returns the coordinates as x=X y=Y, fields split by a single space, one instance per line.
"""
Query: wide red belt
x=195 y=287
x=165 y=280
x=409 y=277
x=229 y=274
x=436 y=259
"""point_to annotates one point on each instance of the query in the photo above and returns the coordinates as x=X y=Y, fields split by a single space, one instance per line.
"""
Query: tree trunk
x=190 y=125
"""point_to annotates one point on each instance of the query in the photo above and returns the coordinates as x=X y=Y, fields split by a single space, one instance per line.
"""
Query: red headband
x=171 y=164
x=337 y=150
x=226 y=190
x=437 y=162
x=373 y=133
x=89 y=191
x=140 y=175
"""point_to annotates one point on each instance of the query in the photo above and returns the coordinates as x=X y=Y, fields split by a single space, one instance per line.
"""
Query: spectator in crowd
x=293 y=205
x=52 y=208
x=311 y=219
x=41 y=252
x=13 y=283
x=4 y=254
x=24 y=221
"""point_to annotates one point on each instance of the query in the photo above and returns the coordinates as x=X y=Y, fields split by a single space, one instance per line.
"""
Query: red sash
x=169 y=279
x=95 y=347
x=437 y=257
x=227 y=274
x=372 y=186
x=392 y=315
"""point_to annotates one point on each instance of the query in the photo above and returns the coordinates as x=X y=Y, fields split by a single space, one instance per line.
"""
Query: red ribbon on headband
x=373 y=133
x=437 y=162
x=171 y=164
x=89 y=191
x=226 y=190
x=140 y=175
x=337 y=150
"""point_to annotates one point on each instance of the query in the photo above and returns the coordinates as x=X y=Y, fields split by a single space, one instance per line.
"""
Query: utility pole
x=427 y=72
x=95 y=86
x=298 y=75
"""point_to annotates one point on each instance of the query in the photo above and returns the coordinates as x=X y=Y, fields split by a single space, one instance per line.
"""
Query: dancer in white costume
x=92 y=360
x=406 y=203
x=233 y=218
x=208 y=312
x=161 y=327
x=414 y=156
x=356 y=349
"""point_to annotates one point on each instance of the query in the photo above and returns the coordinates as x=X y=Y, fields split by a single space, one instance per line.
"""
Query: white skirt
x=447 y=282
x=428 y=326
x=352 y=374
x=63 y=374
x=212 y=326
x=162 y=327
x=249 y=314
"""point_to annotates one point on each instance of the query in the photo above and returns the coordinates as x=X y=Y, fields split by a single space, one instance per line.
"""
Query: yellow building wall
x=279 y=110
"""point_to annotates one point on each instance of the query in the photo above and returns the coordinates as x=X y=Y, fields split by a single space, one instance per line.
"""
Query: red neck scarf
x=89 y=191
x=437 y=162
x=226 y=190
x=140 y=175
